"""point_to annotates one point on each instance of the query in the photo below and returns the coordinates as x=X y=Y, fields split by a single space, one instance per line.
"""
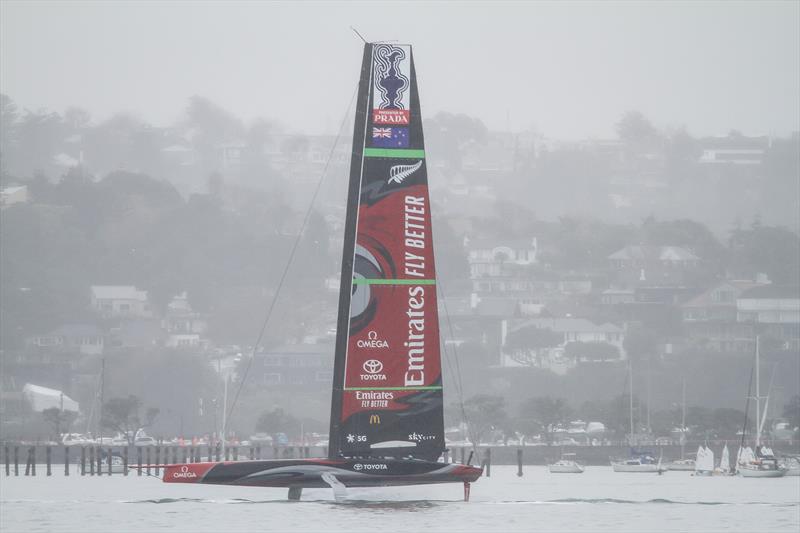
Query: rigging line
x=459 y=383
x=291 y=255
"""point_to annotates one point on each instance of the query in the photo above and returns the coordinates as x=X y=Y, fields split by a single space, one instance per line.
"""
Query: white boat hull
x=565 y=469
x=681 y=466
x=649 y=468
x=754 y=472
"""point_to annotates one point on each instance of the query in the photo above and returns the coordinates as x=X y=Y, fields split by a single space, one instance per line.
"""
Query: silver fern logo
x=400 y=172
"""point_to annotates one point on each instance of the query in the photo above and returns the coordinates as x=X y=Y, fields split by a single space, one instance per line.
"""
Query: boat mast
x=758 y=398
x=630 y=396
x=683 y=418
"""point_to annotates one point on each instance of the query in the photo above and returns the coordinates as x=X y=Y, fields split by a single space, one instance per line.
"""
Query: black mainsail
x=387 y=386
x=386 y=409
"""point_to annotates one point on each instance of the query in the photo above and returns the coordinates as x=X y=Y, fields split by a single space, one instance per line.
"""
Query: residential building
x=710 y=318
x=647 y=265
x=570 y=330
x=295 y=365
x=774 y=310
x=114 y=301
x=85 y=339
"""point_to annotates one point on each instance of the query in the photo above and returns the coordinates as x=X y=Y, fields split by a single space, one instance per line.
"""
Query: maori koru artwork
x=391 y=82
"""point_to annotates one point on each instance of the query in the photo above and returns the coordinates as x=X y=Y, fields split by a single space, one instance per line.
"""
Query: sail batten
x=387 y=398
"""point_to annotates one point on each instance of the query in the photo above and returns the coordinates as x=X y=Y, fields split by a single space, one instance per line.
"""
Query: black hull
x=307 y=473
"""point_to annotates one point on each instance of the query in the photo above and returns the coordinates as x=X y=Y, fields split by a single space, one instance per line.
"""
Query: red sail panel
x=387 y=389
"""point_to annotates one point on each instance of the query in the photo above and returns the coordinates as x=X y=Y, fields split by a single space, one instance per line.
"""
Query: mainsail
x=387 y=385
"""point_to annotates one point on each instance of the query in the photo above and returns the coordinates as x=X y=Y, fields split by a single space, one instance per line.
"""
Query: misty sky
x=568 y=70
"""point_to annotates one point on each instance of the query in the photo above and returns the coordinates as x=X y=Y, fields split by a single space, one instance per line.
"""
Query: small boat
x=686 y=465
x=638 y=462
x=566 y=465
x=704 y=465
x=763 y=462
x=724 y=468
x=792 y=466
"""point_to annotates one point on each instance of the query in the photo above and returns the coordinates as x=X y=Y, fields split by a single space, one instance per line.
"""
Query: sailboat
x=639 y=460
x=724 y=468
x=761 y=462
x=704 y=464
x=683 y=463
x=386 y=423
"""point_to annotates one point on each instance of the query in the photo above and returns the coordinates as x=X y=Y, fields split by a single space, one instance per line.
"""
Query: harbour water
x=598 y=500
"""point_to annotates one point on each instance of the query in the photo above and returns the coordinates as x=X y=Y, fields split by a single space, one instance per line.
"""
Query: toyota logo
x=357 y=466
x=372 y=366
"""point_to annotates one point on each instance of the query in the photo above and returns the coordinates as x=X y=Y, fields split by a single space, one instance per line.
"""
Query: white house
x=120 y=301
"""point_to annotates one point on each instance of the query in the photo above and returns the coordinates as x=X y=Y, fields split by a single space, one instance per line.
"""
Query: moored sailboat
x=386 y=425
x=761 y=462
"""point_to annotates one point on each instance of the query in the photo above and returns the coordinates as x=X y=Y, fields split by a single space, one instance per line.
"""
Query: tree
x=640 y=343
x=526 y=344
x=277 y=421
x=548 y=412
x=636 y=131
x=59 y=419
x=592 y=351
x=122 y=415
x=791 y=411
x=484 y=414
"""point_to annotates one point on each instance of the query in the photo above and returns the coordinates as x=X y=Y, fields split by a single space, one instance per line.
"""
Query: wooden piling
x=488 y=462
x=258 y=452
x=16 y=460
x=125 y=460
x=99 y=459
x=91 y=460
x=519 y=462
x=48 y=460
x=227 y=453
x=235 y=453
x=139 y=460
x=83 y=460
x=463 y=455
x=148 y=460
x=158 y=460
x=8 y=461
x=109 y=460
x=218 y=451
x=66 y=460
x=28 y=463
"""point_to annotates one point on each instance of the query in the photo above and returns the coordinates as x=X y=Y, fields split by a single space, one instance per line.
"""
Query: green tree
x=547 y=412
x=59 y=420
x=528 y=344
x=277 y=421
x=485 y=414
x=593 y=351
x=791 y=411
x=123 y=415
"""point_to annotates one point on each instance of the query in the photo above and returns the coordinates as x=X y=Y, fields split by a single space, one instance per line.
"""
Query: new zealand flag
x=390 y=137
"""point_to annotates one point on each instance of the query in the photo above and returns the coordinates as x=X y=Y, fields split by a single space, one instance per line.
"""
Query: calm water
x=598 y=500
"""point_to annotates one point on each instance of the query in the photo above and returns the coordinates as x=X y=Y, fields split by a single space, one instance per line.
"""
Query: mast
x=758 y=397
x=630 y=397
x=348 y=249
x=683 y=418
